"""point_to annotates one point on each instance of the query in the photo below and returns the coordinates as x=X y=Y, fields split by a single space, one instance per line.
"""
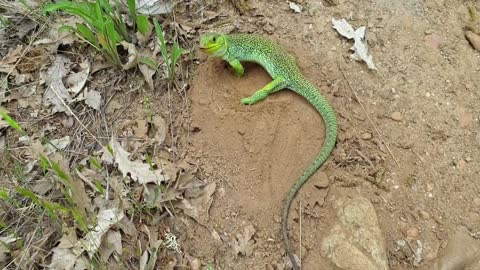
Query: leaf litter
x=136 y=170
x=65 y=83
x=244 y=244
x=360 y=45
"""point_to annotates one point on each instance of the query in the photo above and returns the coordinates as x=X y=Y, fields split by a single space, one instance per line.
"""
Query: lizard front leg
x=236 y=65
x=276 y=85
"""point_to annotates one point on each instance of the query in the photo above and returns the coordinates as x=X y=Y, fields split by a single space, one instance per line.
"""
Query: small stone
x=216 y=236
x=322 y=181
x=367 y=136
x=277 y=218
x=396 y=116
x=474 y=39
x=433 y=41
x=461 y=164
x=413 y=233
x=476 y=202
x=221 y=192
x=195 y=264
x=424 y=214
x=465 y=118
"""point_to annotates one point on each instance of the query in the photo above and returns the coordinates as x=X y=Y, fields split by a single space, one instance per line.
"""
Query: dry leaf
x=162 y=129
x=56 y=90
x=141 y=129
x=93 y=99
x=7 y=63
x=23 y=27
x=121 y=192
x=132 y=55
x=360 y=44
x=64 y=255
x=5 y=241
x=65 y=37
x=105 y=219
x=111 y=243
x=57 y=144
x=198 y=207
x=244 y=243
x=295 y=7
x=155 y=7
x=147 y=73
x=76 y=81
x=42 y=186
x=139 y=171
x=154 y=197
x=112 y=106
x=149 y=256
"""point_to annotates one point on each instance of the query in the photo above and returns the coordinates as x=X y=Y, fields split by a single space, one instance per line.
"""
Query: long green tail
x=309 y=92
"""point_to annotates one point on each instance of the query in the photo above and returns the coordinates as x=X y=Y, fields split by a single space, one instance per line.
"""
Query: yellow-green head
x=213 y=44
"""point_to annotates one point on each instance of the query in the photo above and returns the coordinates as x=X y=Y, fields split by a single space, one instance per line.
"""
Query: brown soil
x=422 y=105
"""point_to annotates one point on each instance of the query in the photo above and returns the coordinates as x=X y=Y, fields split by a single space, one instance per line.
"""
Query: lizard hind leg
x=276 y=85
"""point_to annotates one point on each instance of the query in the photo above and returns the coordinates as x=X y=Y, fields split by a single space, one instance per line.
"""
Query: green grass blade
x=133 y=10
x=98 y=12
x=113 y=38
x=149 y=62
x=143 y=24
x=77 y=9
x=44 y=163
x=60 y=173
x=175 y=55
x=161 y=41
x=28 y=194
x=11 y=122
x=4 y=194
x=87 y=34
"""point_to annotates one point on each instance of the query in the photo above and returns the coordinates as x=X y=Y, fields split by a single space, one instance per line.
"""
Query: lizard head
x=213 y=44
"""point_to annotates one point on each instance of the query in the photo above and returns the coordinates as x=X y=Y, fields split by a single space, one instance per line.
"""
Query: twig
x=300 y=242
x=368 y=116
x=75 y=116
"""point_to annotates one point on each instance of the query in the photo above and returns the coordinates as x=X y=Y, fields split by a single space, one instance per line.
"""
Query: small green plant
x=51 y=208
x=103 y=26
x=171 y=58
x=141 y=21
x=11 y=122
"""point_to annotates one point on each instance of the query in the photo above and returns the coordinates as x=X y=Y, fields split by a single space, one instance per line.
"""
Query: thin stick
x=300 y=242
x=75 y=116
x=368 y=116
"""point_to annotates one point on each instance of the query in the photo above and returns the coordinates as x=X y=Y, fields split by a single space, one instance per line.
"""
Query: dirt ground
x=416 y=159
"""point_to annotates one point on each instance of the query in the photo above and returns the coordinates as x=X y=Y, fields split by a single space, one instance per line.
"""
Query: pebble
x=322 y=181
x=474 y=39
x=396 y=116
x=367 y=136
x=461 y=164
x=433 y=41
x=413 y=233
x=476 y=202
x=277 y=218
x=195 y=264
x=424 y=214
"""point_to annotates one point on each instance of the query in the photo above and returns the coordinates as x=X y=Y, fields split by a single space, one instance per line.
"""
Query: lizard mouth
x=210 y=49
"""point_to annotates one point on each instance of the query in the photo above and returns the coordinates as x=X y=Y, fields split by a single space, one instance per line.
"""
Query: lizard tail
x=309 y=92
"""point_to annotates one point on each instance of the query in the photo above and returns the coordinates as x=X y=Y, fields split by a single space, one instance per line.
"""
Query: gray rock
x=462 y=253
x=356 y=241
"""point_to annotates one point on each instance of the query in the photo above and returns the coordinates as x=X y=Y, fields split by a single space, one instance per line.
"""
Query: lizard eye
x=214 y=39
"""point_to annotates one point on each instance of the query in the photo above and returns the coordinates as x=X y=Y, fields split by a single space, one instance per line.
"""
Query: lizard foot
x=247 y=101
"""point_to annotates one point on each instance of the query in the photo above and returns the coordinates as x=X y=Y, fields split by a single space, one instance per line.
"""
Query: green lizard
x=282 y=67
